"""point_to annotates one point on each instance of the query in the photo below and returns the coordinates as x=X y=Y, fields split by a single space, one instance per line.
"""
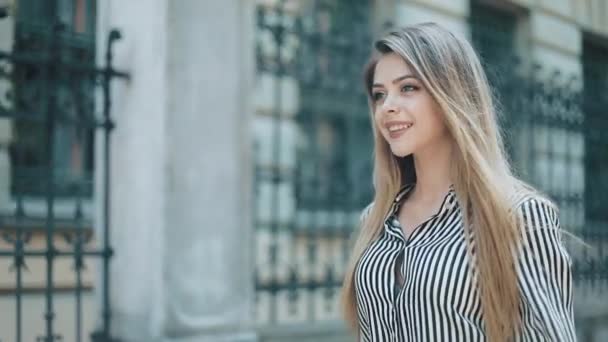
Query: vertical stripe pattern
x=423 y=288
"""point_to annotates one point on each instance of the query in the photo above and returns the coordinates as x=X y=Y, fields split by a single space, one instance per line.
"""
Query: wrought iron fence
x=49 y=81
x=313 y=147
x=553 y=124
x=556 y=148
x=313 y=152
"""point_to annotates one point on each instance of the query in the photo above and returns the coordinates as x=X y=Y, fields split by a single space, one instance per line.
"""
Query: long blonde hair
x=486 y=188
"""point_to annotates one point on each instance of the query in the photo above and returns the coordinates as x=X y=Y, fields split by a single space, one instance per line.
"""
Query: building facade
x=206 y=179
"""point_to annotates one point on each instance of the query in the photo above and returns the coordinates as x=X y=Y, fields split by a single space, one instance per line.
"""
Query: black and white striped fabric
x=423 y=288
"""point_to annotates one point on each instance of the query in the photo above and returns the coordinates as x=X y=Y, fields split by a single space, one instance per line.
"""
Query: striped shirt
x=423 y=288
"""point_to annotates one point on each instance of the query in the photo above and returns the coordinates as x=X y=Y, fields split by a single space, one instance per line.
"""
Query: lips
x=397 y=128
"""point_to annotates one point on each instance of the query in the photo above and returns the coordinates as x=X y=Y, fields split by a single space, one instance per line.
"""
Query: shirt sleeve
x=544 y=275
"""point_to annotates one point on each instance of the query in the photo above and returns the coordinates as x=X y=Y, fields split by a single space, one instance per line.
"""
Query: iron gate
x=49 y=81
x=553 y=123
x=313 y=157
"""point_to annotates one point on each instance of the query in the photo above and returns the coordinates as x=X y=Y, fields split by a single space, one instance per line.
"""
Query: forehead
x=390 y=66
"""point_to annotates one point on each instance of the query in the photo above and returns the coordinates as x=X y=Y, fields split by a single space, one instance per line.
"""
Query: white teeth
x=398 y=127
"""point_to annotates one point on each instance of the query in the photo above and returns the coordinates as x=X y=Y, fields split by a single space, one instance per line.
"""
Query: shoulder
x=535 y=211
x=540 y=231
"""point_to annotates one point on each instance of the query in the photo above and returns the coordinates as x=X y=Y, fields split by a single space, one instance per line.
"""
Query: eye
x=377 y=96
x=408 y=87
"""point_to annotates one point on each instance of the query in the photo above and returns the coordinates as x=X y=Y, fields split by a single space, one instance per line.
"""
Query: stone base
x=242 y=336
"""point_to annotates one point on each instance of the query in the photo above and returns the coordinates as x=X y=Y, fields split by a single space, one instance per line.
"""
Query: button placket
x=397 y=308
x=396 y=288
x=393 y=228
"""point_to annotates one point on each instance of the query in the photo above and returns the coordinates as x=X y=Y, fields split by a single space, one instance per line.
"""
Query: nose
x=389 y=105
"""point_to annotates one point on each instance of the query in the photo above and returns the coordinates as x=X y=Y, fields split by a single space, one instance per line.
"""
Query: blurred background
x=192 y=170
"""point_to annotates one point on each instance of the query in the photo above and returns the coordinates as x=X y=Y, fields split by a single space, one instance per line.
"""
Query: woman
x=421 y=269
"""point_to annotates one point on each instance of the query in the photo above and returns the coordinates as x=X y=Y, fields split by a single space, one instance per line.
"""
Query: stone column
x=138 y=167
x=180 y=186
x=208 y=263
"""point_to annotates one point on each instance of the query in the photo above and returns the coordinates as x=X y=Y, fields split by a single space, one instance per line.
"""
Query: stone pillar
x=208 y=264
x=180 y=186
x=138 y=167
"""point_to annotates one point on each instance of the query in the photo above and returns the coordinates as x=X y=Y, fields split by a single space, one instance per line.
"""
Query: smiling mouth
x=397 y=129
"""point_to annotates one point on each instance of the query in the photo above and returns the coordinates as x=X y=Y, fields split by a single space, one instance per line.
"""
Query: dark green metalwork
x=320 y=46
x=72 y=90
x=595 y=107
x=553 y=127
x=52 y=78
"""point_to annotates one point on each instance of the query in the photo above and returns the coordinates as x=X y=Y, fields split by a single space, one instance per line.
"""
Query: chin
x=401 y=152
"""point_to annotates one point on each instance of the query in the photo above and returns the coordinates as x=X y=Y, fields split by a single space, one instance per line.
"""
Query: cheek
x=432 y=114
x=436 y=125
x=430 y=127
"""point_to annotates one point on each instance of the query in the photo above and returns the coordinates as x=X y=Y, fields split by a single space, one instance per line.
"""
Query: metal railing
x=51 y=85
x=313 y=152
x=552 y=125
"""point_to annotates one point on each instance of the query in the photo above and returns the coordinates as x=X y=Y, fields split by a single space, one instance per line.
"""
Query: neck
x=433 y=175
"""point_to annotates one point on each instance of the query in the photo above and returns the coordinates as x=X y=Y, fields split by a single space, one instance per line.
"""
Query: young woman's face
x=404 y=111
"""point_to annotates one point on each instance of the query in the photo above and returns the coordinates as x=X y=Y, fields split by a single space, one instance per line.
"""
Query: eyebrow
x=396 y=80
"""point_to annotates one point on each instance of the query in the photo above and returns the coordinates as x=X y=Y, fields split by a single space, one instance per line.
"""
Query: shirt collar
x=449 y=202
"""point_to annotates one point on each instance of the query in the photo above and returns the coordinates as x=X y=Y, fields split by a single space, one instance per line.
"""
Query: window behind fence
x=313 y=152
x=595 y=75
x=33 y=86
